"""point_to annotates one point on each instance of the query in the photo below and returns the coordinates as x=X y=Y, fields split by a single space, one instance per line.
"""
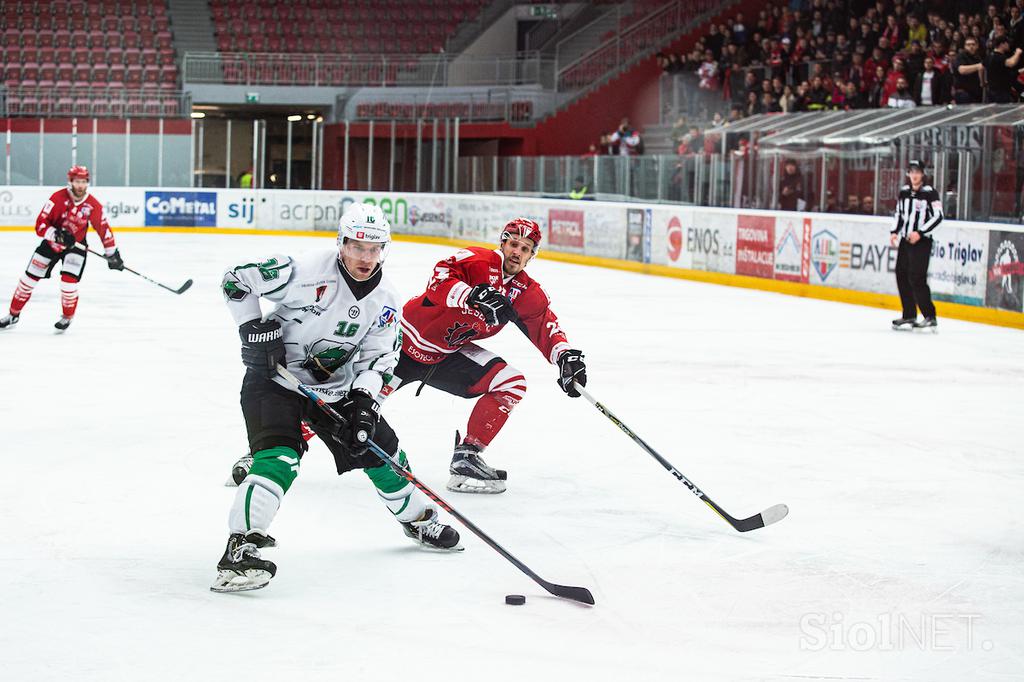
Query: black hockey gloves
x=65 y=237
x=360 y=412
x=571 y=369
x=491 y=303
x=114 y=261
x=262 y=346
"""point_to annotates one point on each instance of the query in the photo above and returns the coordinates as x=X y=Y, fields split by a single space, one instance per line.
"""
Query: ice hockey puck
x=515 y=599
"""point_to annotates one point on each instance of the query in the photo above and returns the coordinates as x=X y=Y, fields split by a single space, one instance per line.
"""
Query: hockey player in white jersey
x=336 y=327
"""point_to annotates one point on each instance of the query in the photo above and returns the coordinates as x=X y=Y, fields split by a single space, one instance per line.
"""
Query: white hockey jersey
x=338 y=333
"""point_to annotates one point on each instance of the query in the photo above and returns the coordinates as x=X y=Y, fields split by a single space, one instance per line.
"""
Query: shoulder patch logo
x=320 y=291
x=353 y=312
x=387 y=317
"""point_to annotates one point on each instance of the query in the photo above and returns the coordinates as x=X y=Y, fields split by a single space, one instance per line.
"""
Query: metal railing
x=827 y=181
x=635 y=42
x=94 y=102
x=233 y=68
x=493 y=105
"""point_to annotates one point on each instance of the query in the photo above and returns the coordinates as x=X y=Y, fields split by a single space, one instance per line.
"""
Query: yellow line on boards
x=956 y=311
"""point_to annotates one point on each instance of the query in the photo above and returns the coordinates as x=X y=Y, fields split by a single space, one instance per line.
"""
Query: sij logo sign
x=183 y=209
x=566 y=228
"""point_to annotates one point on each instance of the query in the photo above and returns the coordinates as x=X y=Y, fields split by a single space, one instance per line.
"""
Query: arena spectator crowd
x=856 y=54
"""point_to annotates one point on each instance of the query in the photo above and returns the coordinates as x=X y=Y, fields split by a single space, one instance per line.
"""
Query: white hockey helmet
x=365 y=223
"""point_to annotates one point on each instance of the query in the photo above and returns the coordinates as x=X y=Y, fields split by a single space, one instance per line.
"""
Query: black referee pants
x=912 y=277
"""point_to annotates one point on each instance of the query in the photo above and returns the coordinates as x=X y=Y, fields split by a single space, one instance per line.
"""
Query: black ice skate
x=241 y=568
x=927 y=324
x=905 y=323
x=239 y=471
x=471 y=474
x=9 y=321
x=62 y=324
x=432 y=534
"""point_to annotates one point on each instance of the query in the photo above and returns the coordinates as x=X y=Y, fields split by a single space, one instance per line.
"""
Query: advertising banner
x=971 y=263
x=1005 y=270
x=957 y=269
x=755 y=245
x=793 y=248
x=698 y=240
x=565 y=228
x=181 y=208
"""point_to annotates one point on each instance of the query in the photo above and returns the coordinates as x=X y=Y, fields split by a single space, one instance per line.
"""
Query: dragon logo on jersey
x=325 y=357
x=458 y=334
x=387 y=317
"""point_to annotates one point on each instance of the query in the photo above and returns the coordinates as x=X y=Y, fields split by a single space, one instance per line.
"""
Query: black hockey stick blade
x=180 y=290
x=579 y=594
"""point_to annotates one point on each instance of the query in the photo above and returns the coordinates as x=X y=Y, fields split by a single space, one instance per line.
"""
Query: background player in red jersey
x=471 y=296
x=62 y=224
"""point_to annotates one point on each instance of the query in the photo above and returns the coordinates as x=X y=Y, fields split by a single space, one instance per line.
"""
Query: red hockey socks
x=68 y=295
x=22 y=293
x=503 y=387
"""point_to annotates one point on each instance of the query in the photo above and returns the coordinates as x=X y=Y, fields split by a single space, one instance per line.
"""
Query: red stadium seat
x=132 y=57
x=133 y=76
x=100 y=72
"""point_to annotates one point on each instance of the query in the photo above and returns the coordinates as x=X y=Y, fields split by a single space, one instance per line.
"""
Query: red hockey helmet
x=522 y=227
x=76 y=172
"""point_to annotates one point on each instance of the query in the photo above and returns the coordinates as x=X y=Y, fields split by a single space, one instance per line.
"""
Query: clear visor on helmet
x=358 y=253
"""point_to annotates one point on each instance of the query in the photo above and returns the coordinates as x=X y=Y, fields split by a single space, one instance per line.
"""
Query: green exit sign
x=544 y=11
x=252 y=98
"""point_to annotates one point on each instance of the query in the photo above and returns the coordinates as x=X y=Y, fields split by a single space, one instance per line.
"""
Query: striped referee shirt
x=917 y=210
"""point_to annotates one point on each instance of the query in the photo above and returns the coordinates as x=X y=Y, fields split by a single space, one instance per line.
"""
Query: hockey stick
x=580 y=594
x=769 y=516
x=180 y=290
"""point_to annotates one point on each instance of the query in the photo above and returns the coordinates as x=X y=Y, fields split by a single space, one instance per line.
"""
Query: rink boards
x=976 y=269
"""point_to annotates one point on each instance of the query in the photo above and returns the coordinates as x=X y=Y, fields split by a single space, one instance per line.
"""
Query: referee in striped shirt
x=918 y=213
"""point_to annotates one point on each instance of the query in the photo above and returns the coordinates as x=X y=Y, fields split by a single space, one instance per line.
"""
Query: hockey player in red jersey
x=62 y=224
x=470 y=297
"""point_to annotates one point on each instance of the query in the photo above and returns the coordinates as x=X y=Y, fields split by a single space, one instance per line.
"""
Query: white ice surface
x=899 y=455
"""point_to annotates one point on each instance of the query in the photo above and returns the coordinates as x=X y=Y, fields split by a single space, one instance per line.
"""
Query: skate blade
x=464 y=484
x=426 y=547
x=903 y=328
x=230 y=483
x=229 y=581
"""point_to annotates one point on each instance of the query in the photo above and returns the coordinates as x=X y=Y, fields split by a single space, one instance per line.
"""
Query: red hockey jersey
x=62 y=211
x=438 y=322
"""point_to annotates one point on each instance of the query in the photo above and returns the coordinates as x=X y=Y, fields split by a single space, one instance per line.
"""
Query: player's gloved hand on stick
x=571 y=370
x=262 y=346
x=59 y=238
x=491 y=303
x=114 y=261
x=360 y=411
